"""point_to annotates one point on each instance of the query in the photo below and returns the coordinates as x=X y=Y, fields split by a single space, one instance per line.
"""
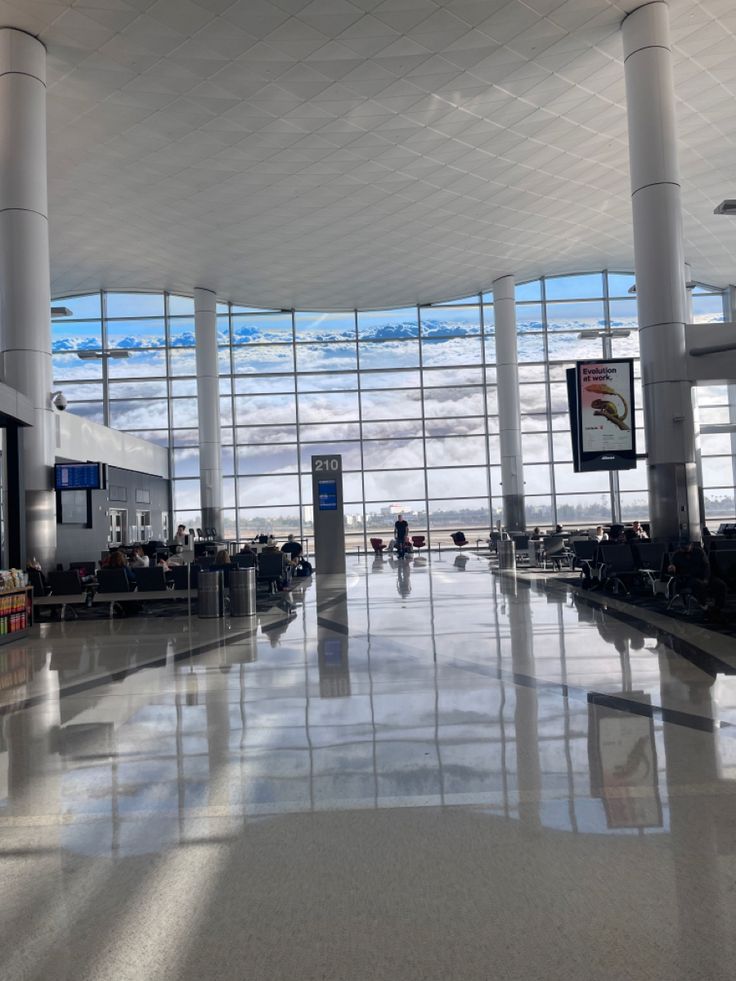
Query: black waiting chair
x=585 y=556
x=245 y=560
x=182 y=576
x=652 y=559
x=85 y=569
x=618 y=567
x=67 y=584
x=150 y=580
x=272 y=569
x=113 y=581
x=38 y=582
x=723 y=565
x=459 y=539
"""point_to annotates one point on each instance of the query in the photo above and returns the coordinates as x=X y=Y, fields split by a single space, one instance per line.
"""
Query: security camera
x=58 y=400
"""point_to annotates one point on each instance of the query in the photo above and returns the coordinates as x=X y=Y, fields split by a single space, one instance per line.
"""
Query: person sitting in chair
x=293 y=549
x=636 y=533
x=139 y=559
x=117 y=560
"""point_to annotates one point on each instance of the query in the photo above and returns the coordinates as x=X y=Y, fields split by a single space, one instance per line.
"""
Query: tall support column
x=208 y=399
x=660 y=273
x=25 y=289
x=729 y=312
x=694 y=399
x=507 y=375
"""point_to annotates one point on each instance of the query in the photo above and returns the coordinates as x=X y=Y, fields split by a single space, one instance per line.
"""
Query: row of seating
x=621 y=567
x=65 y=588
x=618 y=567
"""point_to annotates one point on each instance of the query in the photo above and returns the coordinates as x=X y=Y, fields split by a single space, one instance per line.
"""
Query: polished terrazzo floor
x=422 y=771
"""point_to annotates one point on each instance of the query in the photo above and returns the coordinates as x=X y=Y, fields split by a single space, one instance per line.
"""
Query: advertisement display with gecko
x=602 y=414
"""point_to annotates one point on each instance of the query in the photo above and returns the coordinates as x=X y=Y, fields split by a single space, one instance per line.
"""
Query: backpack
x=303 y=569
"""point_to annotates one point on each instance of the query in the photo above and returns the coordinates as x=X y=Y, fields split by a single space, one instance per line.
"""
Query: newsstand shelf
x=16 y=614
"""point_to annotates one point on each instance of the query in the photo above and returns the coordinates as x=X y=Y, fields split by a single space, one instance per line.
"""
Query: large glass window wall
x=408 y=397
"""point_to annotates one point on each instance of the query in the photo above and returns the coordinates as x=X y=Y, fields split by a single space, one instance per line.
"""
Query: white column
x=507 y=375
x=660 y=272
x=208 y=400
x=694 y=401
x=25 y=291
x=730 y=314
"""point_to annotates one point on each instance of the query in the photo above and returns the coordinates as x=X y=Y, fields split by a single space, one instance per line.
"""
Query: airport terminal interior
x=367 y=496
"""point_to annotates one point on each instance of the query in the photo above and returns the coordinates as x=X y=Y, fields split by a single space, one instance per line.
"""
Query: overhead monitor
x=79 y=476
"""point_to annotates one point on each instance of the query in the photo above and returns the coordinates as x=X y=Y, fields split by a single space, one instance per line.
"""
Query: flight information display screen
x=327 y=495
x=78 y=476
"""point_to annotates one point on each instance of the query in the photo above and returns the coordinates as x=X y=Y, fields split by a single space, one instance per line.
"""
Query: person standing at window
x=401 y=533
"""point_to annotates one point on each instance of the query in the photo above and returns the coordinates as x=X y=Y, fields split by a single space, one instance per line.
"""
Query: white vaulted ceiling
x=339 y=153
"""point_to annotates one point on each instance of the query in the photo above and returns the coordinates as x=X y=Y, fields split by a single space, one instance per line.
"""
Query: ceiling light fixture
x=688 y=286
x=61 y=312
x=727 y=207
x=589 y=335
x=102 y=355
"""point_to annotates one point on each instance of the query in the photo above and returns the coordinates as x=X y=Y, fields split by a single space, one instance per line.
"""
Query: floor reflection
x=507 y=771
x=418 y=688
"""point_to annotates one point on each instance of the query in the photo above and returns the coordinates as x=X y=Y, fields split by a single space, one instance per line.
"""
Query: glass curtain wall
x=408 y=397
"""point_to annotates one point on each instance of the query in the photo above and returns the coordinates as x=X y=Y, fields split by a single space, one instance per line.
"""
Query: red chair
x=378 y=545
x=418 y=541
x=459 y=539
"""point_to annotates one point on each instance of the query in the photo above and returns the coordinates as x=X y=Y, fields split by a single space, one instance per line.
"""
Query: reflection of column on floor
x=34 y=787
x=333 y=637
x=218 y=735
x=517 y=594
x=692 y=773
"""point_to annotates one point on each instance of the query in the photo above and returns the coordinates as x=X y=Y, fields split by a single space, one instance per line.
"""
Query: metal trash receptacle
x=209 y=595
x=242 y=592
x=507 y=554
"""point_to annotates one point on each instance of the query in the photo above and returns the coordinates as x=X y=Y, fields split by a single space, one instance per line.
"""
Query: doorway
x=118 y=527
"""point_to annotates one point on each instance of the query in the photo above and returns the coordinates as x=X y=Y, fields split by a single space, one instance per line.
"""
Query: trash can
x=507 y=554
x=243 y=592
x=209 y=595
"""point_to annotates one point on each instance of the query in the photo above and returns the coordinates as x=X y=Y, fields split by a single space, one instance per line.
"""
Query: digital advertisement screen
x=327 y=495
x=601 y=397
x=78 y=476
x=606 y=411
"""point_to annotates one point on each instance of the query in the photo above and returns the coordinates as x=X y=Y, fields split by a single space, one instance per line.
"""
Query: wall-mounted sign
x=601 y=399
